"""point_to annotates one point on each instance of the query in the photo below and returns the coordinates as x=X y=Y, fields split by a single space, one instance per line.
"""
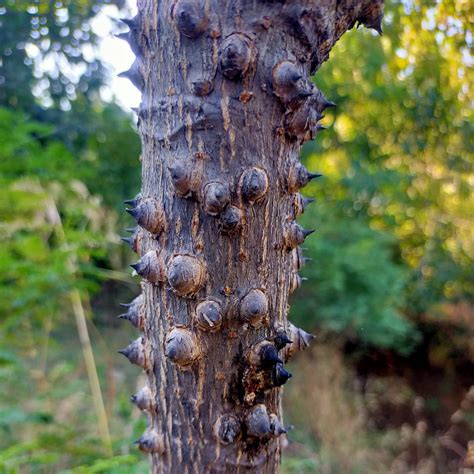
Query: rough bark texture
x=226 y=103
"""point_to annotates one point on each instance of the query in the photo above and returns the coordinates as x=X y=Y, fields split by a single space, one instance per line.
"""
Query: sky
x=117 y=55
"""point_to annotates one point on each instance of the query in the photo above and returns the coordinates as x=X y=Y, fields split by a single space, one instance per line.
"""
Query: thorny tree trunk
x=226 y=103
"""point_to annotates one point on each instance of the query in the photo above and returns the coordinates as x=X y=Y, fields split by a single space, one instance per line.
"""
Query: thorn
x=253 y=308
x=258 y=421
x=377 y=25
x=307 y=201
x=186 y=275
x=123 y=36
x=135 y=353
x=133 y=75
x=143 y=399
x=276 y=426
x=280 y=375
x=269 y=355
x=227 y=429
x=254 y=184
x=181 y=347
x=132 y=202
x=295 y=77
x=130 y=22
x=281 y=340
x=133 y=212
x=328 y=103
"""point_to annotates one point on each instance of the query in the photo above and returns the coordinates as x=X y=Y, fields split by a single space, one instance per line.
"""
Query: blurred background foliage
x=389 y=294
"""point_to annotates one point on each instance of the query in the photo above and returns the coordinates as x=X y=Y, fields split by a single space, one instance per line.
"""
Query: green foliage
x=356 y=286
x=58 y=33
x=396 y=212
x=48 y=221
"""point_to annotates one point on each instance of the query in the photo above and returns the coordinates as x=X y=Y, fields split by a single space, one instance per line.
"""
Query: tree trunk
x=226 y=103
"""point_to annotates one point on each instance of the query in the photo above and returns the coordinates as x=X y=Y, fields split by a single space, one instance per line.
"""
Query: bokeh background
x=388 y=385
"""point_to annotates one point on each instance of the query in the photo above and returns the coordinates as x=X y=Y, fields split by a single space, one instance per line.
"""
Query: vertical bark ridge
x=226 y=103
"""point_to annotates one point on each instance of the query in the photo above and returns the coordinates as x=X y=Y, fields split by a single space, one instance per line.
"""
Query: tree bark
x=226 y=103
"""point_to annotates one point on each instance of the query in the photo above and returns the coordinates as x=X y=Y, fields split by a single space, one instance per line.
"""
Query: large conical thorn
x=258 y=422
x=135 y=312
x=134 y=75
x=135 y=353
x=181 y=347
x=150 y=215
x=151 y=267
x=300 y=340
x=264 y=354
x=151 y=442
x=295 y=235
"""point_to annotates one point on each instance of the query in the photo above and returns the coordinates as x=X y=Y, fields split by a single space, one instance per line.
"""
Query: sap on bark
x=295 y=235
x=135 y=353
x=300 y=341
x=149 y=214
x=227 y=429
x=185 y=275
x=263 y=354
x=143 y=399
x=184 y=177
x=300 y=204
x=288 y=83
x=253 y=184
x=209 y=315
x=299 y=176
x=181 y=347
x=216 y=196
x=190 y=17
x=151 y=267
x=135 y=312
x=151 y=442
x=230 y=220
x=236 y=54
x=253 y=308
